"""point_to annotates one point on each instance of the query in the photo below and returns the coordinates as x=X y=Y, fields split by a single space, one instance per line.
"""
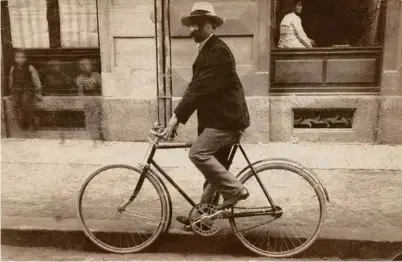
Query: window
x=345 y=54
x=61 y=41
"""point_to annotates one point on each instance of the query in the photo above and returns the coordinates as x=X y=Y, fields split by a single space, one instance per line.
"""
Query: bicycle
x=283 y=239
x=397 y=257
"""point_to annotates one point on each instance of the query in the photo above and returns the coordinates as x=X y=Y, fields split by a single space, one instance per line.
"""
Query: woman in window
x=292 y=34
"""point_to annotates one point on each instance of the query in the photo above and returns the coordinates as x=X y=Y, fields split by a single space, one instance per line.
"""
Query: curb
x=178 y=241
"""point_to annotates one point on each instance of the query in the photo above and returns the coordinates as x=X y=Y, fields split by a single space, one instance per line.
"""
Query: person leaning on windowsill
x=292 y=34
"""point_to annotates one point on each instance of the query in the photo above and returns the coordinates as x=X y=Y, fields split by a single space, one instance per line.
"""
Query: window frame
x=326 y=53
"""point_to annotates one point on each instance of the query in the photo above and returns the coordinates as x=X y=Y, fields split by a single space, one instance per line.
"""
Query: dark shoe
x=230 y=202
x=184 y=220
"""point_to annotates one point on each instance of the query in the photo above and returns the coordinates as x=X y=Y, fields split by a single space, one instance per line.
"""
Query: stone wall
x=390 y=115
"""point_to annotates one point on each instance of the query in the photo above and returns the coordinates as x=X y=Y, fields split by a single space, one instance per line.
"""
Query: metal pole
x=160 y=61
x=168 y=59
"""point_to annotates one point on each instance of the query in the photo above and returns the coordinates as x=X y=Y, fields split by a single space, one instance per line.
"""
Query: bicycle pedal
x=188 y=228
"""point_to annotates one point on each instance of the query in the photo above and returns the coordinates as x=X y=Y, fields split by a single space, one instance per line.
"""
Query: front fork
x=137 y=189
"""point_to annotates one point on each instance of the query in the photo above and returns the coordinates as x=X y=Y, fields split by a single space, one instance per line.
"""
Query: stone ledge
x=67 y=236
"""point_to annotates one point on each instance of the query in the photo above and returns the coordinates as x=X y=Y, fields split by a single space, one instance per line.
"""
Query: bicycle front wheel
x=295 y=227
x=122 y=231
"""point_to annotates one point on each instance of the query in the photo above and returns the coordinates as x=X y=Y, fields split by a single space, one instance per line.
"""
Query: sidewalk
x=41 y=178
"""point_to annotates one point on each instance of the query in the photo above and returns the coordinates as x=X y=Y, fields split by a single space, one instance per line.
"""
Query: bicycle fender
x=313 y=174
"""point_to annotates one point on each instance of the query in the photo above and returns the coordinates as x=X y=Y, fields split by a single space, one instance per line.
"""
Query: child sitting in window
x=25 y=88
x=56 y=81
x=88 y=81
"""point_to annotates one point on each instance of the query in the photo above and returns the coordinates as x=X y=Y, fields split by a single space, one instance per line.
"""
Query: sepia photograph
x=178 y=130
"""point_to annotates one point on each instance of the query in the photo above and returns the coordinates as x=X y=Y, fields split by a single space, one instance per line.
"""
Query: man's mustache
x=194 y=33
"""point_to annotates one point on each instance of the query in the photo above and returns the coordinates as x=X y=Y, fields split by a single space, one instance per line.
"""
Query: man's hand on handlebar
x=171 y=128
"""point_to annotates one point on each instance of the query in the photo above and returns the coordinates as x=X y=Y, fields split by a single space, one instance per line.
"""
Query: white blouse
x=292 y=34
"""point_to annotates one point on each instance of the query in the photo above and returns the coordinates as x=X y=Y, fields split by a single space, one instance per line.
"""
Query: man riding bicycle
x=217 y=94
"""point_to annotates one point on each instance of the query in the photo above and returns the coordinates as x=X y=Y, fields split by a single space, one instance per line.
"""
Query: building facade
x=346 y=89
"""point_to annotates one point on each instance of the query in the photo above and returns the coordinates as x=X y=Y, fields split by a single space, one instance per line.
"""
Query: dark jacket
x=215 y=91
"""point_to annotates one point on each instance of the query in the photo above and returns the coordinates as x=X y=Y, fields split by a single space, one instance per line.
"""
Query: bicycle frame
x=151 y=162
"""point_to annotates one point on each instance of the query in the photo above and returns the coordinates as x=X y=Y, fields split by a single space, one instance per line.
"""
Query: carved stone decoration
x=323 y=118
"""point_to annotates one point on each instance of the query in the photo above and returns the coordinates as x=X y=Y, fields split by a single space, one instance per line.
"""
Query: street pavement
x=16 y=253
x=13 y=253
x=41 y=179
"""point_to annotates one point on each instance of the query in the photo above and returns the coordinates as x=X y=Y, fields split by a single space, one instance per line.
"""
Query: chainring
x=202 y=218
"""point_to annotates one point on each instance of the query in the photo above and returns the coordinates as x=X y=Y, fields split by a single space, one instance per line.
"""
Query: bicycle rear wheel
x=131 y=230
x=302 y=203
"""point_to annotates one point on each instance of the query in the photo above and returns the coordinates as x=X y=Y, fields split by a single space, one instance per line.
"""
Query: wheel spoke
x=112 y=230
x=293 y=230
x=145 y=216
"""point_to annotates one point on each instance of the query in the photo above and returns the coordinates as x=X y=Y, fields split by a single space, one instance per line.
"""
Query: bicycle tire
x=280 y=165
x=164 y=217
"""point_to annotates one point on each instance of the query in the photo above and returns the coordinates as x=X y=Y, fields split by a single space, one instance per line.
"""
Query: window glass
x=29 y=26
x=78 y=23
x=61 y=44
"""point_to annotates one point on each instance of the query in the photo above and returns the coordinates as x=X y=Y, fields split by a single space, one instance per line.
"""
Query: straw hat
x=202 y=9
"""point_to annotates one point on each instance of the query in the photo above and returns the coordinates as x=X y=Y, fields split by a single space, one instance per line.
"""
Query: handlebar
x=157 y=134
x=157 y=130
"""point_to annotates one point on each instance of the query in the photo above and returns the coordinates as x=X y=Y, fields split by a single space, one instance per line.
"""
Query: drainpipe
x=160 y=68
x=163 y=61
x=168 y=60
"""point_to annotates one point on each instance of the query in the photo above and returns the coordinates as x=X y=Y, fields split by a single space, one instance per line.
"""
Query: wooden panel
x=351 y=70
x=184 y=51
x=298 y=71
x=135 y=52
x=182 y=76
x=239 y=17
x=132 y=21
